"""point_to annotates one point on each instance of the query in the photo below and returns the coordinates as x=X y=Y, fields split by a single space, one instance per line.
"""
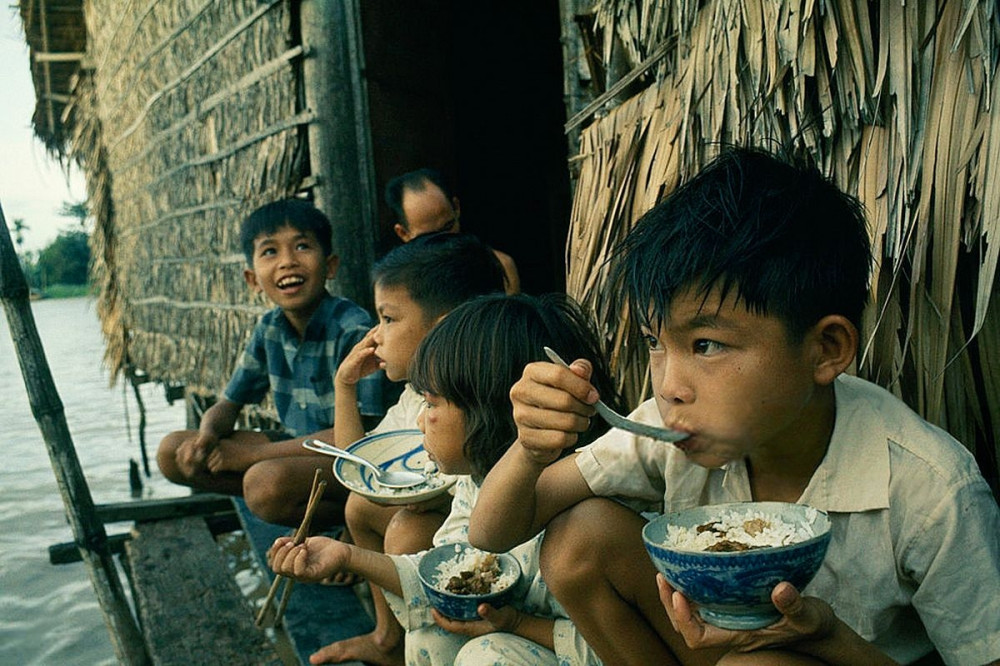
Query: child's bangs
x=438 y=370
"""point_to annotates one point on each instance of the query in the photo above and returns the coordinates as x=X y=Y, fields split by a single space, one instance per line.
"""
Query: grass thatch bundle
x=188 y=118
x=898 y=103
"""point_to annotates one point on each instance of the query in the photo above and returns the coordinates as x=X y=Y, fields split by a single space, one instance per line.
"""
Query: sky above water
x=33 y=186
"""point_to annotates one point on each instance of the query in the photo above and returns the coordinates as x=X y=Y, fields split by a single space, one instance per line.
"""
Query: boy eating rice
x=749 y=282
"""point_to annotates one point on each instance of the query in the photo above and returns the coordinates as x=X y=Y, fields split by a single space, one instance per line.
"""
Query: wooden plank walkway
x=316 y=614
x=190 y=609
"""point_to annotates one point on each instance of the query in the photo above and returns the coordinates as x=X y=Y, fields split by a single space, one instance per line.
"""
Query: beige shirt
x=402 y=415
x=914 y=559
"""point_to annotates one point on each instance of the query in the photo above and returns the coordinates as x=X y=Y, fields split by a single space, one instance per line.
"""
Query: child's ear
x=836 y=343
x=332 y=264
x=402 y=232
x=456 y=206
x=251 y=280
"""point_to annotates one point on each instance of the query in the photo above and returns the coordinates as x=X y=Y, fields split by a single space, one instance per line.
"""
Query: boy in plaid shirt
x=294 y=353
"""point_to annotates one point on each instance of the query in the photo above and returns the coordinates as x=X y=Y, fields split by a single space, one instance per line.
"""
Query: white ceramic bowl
x=396 y=450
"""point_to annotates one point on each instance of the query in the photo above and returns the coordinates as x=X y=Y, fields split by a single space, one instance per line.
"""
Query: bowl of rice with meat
x=457 y=578
x=727 y=558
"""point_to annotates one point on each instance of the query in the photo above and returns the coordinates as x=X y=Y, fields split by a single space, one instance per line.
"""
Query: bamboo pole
x=88 y=530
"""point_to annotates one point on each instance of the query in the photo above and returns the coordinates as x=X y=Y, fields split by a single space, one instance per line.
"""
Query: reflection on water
x=49 y=614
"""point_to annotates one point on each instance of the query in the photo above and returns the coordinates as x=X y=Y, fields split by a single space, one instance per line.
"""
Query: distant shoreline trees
x=63 y=266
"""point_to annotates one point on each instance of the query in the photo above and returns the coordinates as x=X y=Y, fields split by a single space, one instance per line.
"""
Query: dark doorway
x=474 y=89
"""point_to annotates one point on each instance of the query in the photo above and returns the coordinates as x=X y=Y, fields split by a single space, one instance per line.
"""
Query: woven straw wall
x=188 y=119
x=898 y=104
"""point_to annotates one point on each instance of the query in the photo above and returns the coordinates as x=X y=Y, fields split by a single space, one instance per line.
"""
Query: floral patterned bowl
x=733 y=589
x=440 y=563
x=396 y=450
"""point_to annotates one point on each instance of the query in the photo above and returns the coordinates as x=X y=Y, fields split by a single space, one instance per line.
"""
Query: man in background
x=423 y=203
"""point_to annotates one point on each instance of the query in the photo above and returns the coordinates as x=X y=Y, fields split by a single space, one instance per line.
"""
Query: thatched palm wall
x=188 y=117
x=898 y=103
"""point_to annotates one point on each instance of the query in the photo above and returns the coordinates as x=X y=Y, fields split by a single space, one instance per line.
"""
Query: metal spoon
x=384 y=477
x=616 y=420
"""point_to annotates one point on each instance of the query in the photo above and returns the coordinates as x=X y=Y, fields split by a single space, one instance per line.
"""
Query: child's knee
x=166 y=454
x=354 y=511
x=262 y=491
x=410 y=532
x=579 y=541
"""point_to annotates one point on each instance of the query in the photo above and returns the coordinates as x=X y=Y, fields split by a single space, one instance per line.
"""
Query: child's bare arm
x=525 y=489
x=518 y=499
x=217 y=422
x=318 y=558
x=361 y=361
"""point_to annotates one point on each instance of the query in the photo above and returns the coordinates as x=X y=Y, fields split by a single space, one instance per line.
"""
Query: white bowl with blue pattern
x=463 y=606
x=733 y=589
x=394 y=450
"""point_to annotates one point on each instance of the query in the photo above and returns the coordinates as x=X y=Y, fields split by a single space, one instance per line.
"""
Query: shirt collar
x=854 y=474
x=317 y=322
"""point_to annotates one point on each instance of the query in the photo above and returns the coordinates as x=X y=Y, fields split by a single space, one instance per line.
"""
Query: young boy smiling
x=749 y=283
x=294 y=351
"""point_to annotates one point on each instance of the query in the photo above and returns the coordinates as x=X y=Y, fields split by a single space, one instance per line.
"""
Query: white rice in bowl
x=735 y=530
x=475 y=561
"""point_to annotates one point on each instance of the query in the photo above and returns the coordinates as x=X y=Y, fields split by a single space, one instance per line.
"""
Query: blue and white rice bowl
x=733 y=589
x=439 y=564
x=395 y=450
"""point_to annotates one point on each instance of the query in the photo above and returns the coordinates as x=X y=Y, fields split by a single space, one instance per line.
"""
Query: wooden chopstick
x=300 y=535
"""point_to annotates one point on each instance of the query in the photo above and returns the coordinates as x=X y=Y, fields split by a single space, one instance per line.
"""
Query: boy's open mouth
x=290 y=282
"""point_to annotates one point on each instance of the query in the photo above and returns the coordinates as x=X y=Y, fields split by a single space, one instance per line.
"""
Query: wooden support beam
x=49 y=111
x=340 y=148
x=69 y=552
x=177 y=507
x=620 y=85
x=47 y=408
x=48 y=56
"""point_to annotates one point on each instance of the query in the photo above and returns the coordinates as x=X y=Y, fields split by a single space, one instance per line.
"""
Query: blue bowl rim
x=507 y=557
x=339 y=463
x=753 y=552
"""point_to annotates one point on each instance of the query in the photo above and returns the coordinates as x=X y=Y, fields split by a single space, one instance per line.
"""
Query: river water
x=49 y=614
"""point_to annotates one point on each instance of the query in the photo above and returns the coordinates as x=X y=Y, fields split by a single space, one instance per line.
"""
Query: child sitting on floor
x=749 y=283
x=415 y=286
x=293 y=354
x=464 y=368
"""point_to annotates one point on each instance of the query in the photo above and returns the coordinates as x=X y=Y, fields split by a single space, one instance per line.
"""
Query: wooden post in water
x=88 y=530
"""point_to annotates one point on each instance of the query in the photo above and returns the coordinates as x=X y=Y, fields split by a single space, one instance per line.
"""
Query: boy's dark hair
x=413 y=181
x=298 y=214
x=475 y=354
x=786 y=239
x=441 y=270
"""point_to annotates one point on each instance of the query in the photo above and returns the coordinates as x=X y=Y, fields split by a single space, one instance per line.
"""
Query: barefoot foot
x=362 y=648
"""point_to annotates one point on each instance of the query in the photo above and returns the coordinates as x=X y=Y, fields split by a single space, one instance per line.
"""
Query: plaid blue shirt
x=300 y=372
